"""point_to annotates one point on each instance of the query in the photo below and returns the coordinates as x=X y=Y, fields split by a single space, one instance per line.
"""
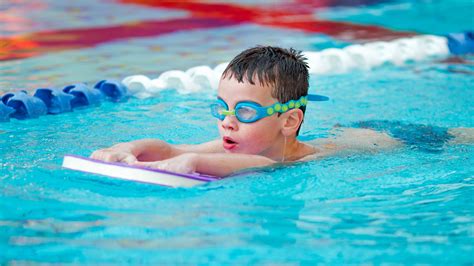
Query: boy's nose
x=230 y=123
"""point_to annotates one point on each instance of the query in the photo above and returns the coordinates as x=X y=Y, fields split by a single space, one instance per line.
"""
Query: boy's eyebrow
x=219 y=98
x=247 y=101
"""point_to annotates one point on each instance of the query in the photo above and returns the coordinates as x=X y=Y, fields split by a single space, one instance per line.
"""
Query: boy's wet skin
x=263 y=76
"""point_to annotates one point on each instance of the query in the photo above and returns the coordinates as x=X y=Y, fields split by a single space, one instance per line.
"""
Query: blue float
x=112 y=89
x=83 y=95
x=20 y=105
x=56 y=100
x=5 y=112
x=25 y=106
x=461 y=43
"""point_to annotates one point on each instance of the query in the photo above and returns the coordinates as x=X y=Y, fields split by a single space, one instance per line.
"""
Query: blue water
x=424 y=16
x=402 y=206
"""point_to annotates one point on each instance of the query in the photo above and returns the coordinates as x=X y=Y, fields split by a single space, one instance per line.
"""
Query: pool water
x=419 y=16
x=401 y=206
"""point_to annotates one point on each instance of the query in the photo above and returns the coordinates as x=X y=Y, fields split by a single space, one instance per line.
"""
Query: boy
x=262 y=98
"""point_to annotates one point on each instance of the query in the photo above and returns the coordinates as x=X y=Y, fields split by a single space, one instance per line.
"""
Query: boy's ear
x=292 y=121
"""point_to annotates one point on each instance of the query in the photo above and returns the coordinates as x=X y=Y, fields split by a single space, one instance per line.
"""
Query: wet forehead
x=231 y=91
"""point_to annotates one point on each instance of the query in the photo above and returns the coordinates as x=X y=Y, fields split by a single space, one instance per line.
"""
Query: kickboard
x=135 y=173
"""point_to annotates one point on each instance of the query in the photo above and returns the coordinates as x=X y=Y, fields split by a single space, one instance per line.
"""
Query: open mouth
x=229 y=143
x=229 y=140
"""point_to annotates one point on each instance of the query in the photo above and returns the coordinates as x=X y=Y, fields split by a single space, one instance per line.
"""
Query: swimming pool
x=399 y=207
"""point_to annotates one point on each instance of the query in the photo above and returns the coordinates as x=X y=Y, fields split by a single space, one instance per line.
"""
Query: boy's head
x=252 y=85
x=283 y=70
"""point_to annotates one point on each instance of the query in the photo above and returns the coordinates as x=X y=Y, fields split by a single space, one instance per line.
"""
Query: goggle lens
x=246 y=114
x=217 y=110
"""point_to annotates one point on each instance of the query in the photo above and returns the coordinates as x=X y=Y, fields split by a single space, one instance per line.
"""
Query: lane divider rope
x=368 y=56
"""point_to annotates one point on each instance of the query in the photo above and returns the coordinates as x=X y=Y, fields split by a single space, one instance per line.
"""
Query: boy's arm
x=215 y=164
x=224 y=164
x=151 y=150
x=214 y=146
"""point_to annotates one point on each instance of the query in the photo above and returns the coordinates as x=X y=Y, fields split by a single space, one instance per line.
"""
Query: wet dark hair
x=283 y=70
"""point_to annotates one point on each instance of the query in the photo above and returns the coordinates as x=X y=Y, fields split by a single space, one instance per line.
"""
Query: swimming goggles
x=249 y=112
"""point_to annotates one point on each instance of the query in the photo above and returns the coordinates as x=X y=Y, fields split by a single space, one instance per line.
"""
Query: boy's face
x=261 y=137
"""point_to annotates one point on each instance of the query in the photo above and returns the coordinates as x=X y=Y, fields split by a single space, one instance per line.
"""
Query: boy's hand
x=183 y=164
x=118 y=153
